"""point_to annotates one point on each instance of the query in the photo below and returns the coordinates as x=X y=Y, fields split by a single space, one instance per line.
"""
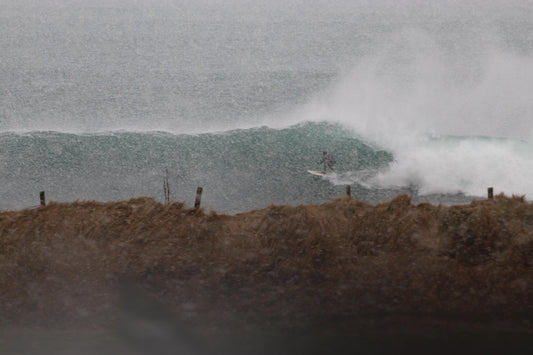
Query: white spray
x=416 y=97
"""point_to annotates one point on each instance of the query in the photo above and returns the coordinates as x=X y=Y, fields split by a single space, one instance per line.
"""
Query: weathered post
x=348 y=190
x=198 y=197
x=490 y=192
x=43 y=200
x=166 y=188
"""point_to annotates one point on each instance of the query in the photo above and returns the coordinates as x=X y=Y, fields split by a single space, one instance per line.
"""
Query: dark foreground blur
x=138 y=277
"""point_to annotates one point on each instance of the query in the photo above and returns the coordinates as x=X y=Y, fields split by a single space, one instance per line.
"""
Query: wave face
x=239 y=170
x=253 y=168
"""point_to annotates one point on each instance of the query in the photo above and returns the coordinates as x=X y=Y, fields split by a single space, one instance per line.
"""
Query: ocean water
x=104 y=99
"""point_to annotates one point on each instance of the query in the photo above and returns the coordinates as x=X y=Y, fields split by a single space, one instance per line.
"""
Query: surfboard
x=315 y=172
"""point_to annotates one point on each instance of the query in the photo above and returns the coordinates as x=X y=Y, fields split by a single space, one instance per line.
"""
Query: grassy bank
x=344 y=267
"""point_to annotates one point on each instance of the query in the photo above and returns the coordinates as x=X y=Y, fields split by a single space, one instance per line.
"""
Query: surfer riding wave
x=328 y=162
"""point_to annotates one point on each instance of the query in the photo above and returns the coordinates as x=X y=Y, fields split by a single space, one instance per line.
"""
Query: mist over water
x=445 y=88
x=436 y=106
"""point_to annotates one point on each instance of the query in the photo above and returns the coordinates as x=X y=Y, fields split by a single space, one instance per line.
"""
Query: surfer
x=328 y=161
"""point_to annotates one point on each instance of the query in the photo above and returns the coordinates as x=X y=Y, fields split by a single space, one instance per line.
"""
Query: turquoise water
x=98 y=99
x=238 y=170
x=252 y=168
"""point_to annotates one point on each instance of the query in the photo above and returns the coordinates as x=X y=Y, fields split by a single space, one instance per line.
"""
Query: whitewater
x=100 y=99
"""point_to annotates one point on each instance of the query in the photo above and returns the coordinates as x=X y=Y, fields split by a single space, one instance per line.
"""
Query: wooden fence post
x=43 y=200
x=348 y=190
x=198 y=197
x=166 y=188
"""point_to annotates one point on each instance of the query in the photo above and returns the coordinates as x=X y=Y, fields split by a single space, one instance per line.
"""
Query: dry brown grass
x=63 y=263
